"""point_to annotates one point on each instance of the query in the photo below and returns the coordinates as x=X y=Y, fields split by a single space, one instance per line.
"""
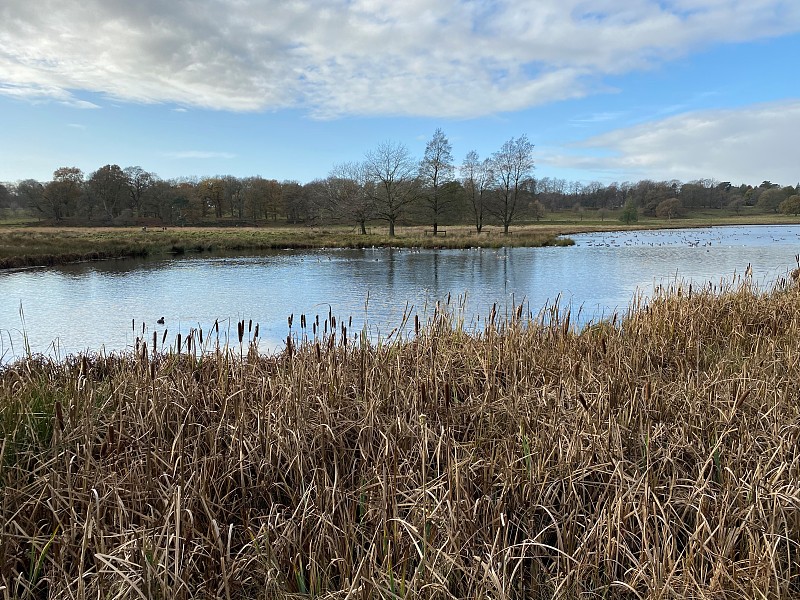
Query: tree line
x=389 y=185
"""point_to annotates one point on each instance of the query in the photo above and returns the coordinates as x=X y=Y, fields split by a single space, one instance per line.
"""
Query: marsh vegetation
x=651 y=456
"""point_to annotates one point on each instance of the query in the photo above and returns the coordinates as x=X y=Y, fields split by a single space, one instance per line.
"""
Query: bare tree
x=29 y=194
x=477 y=177
x=346 y=194
x=513 y=168
x=435 y=171
x=391 y=181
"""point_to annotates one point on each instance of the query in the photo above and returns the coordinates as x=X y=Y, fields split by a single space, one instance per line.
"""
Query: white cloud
x=593 y=118
x=190 y=154
x=379 y=57
x=43 y=93
x=738 y=145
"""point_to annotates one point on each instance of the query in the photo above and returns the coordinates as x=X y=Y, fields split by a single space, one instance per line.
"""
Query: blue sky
x=607 y=90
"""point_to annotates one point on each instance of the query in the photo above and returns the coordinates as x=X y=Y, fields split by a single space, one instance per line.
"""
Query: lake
x=105 y=305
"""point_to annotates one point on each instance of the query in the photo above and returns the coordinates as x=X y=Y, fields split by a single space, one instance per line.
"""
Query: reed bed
x=654 y=456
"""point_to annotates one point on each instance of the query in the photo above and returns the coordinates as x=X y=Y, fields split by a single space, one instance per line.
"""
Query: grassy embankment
x=22 y=246
x=654 y=457
x=32 y=246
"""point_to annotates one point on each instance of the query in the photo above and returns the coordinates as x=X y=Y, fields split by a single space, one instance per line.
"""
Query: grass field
x=653 y=456
x=30 y=245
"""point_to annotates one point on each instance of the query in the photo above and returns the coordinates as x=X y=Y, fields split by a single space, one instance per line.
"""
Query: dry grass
x=656 y=457
x=43 y=246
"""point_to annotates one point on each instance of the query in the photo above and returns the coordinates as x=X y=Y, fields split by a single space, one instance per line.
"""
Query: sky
x=607 y=90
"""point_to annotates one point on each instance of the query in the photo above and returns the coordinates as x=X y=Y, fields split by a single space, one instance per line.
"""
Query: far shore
x=31 y=245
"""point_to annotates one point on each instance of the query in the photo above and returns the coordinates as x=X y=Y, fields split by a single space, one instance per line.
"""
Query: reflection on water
x=104 y=305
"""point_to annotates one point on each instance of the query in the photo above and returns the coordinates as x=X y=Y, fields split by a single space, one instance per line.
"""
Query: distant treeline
x=388 y=186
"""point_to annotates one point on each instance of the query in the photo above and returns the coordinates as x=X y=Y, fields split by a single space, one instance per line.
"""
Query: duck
x=160 y=321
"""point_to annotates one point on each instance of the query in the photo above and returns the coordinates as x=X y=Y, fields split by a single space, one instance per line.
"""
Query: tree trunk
x=391 y=227
x=435 y=228
x=363 y=227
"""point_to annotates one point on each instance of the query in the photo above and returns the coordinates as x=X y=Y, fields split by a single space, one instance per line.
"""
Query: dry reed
x=656 y=457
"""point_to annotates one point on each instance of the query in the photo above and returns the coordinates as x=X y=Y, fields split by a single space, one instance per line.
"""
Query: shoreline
x=24 y=247
x=595 y=456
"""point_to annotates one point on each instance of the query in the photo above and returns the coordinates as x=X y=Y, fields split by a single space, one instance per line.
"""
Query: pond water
x=106 y=305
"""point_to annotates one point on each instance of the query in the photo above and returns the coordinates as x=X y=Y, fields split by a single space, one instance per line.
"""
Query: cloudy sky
x=608 y=90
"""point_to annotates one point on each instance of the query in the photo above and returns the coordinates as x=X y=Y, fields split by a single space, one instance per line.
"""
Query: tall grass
x=653 y=457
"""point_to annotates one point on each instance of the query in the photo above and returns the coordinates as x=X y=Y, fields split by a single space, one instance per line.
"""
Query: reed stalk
x=652 y=456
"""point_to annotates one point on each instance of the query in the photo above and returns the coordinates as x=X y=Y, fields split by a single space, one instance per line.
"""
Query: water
x=105 y=305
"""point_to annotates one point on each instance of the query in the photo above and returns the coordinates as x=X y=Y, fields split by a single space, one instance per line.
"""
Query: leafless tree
x=477 y=178
x=346 y=194
x=513 y=167
x=435 y=171
x=391 y=181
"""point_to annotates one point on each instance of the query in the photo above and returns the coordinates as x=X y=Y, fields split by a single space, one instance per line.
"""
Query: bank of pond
x=654 y=455
x=103 y=305
x=23 y=247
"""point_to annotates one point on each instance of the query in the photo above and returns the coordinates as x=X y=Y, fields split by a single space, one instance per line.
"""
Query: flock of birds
x=660 y=238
